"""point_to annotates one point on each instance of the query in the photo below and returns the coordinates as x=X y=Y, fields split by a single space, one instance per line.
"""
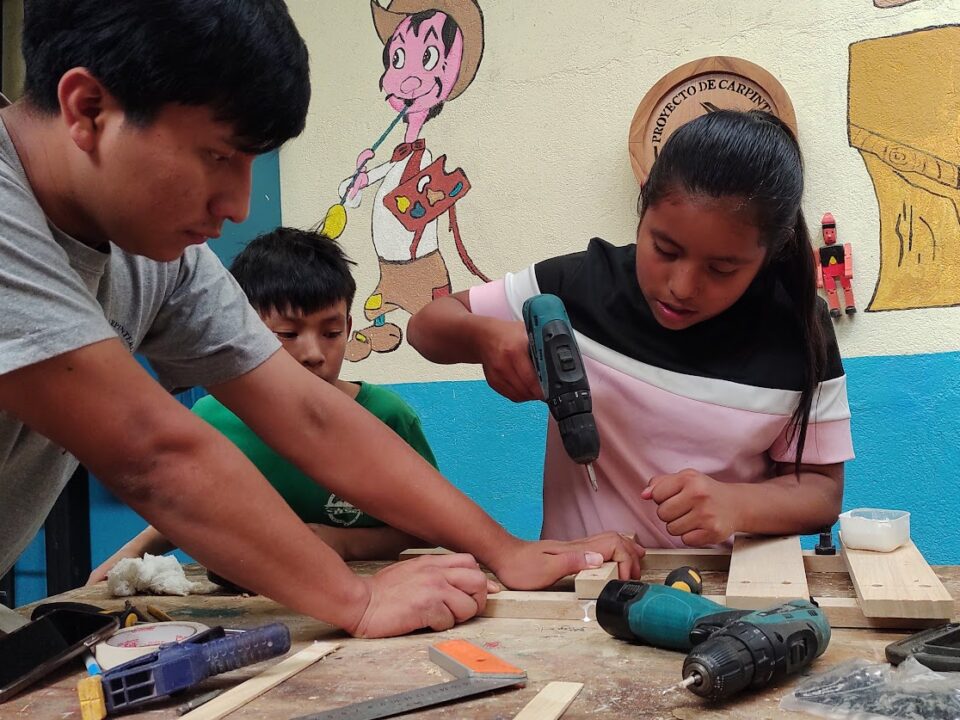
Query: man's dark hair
x=243 y=58
x=289 y=270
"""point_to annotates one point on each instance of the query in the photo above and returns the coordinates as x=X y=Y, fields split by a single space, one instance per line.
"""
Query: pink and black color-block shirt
x=716 y=397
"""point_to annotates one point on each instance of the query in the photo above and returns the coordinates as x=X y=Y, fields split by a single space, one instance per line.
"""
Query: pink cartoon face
x=422 y=61
x=829 y=235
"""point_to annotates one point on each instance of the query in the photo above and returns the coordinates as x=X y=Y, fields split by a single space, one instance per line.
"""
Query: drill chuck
x=580 y=438
x=722 y=666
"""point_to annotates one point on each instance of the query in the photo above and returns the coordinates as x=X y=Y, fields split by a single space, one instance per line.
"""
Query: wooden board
x=539 y=605
x=551 y=702
x=549 y=605
x=704 y=559
x=589 y=583
x=897 y=584
x=765 y=571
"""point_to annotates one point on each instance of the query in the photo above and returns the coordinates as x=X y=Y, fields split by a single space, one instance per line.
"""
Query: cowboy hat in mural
x=465 y=13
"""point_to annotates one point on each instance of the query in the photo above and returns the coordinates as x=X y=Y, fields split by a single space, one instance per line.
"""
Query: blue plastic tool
x=179 y=666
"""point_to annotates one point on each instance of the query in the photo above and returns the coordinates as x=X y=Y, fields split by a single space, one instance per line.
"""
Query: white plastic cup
x=874 y=529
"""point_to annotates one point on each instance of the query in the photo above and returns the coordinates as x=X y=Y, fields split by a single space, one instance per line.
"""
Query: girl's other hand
x=696 y=508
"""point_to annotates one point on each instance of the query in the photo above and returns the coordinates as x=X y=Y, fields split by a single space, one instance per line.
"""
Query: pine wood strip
x=705 y=559
x=539 y=605
x=765 y=571
x=551 y=702
x=547 y=605
x=256 y=686
x=897 y=584
x=589 y=583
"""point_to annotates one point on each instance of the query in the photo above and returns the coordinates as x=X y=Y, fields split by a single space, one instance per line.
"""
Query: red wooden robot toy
x=834 y=262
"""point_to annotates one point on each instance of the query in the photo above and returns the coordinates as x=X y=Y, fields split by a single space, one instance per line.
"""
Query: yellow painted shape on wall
x=374 y=302
x=403 y=202
x=904 y=118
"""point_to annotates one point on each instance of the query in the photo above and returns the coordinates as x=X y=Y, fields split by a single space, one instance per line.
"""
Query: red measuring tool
x=476 y=671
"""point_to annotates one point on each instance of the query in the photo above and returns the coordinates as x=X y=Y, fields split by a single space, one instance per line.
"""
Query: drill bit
x=592 y=476
x=693 y=679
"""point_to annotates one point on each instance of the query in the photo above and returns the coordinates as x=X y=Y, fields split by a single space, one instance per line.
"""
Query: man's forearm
x=326 y=435
x=202 y=497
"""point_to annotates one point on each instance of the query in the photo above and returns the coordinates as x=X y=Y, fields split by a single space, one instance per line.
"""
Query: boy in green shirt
x=300 y=285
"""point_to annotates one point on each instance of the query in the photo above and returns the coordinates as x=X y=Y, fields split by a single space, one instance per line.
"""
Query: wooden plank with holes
x=589 y=583
x=897 y=584
x=765 y=571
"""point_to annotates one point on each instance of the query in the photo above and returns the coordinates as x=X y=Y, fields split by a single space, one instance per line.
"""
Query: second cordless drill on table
x=729 y=650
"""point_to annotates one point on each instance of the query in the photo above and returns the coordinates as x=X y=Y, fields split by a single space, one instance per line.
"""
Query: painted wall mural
x=904 y=118
x=431 y=52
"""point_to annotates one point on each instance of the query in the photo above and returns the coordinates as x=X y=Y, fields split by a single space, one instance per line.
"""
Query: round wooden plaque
x=697 y=88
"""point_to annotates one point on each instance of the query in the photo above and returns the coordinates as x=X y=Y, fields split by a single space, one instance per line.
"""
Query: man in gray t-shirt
x=132 y=147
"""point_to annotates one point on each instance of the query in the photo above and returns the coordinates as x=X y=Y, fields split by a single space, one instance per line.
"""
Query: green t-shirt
x=312 y=503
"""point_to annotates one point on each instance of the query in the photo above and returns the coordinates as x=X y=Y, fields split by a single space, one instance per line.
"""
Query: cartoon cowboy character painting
x=432 y=49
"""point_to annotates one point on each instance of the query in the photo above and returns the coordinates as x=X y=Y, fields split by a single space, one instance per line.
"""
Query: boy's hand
x=696 y=508
x=100 y=572
x=434 y=592
x=505 y=355
x=535 y=565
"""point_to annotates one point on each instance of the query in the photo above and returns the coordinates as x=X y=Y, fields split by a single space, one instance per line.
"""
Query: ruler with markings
x=476 y=672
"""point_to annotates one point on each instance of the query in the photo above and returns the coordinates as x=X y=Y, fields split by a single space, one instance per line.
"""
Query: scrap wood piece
x=259 y=684
x=590 y=582
x=765 y=571
x=897 y=584
x=551 y=702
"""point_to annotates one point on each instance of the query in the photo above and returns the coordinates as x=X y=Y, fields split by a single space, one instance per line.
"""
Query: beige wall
x=542 y=133
x=12 y=60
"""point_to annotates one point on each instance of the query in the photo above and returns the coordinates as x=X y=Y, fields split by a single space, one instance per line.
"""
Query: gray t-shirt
x=188 y=317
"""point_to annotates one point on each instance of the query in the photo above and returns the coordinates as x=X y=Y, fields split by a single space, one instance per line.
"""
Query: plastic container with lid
x=874 y=529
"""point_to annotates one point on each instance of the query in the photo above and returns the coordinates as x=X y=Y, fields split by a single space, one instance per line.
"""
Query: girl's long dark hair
x=754 y=156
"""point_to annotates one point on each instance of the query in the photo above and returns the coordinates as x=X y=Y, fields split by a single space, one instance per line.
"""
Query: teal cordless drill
x=556 y=358
x=729 y=650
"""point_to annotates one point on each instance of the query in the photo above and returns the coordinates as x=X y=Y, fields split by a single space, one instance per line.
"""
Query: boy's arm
x=148 y=541
x=367 y=543
x=446 y=331
x=322 y=431
x=703 y=511
x=198 y=490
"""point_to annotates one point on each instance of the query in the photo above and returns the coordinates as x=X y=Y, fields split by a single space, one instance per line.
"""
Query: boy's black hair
x=243 y=58
x=448 y=34
x=754 y=156
x=289 y=270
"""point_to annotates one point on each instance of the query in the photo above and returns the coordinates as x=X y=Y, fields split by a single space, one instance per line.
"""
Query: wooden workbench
x=620 y=680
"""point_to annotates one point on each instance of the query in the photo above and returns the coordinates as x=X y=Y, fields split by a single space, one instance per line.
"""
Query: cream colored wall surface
x=542 y=135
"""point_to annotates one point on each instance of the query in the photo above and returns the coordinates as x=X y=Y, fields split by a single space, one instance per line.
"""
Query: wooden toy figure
x=834 y=262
